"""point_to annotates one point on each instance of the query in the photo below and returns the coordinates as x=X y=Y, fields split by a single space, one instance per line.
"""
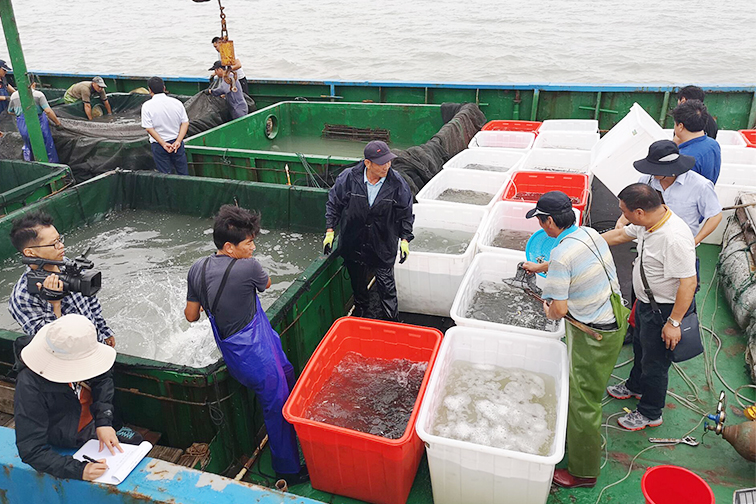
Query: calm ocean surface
x=506 y=41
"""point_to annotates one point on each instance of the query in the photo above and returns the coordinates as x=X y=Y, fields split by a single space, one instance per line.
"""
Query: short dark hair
x=215 y=39
x=562 y=220
x=641 y=196
x=24 y=230
x=234 y=225
x=156 y=85
x=692 y=114
x=691 y=93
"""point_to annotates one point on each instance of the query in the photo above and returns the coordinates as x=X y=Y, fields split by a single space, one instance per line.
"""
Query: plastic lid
x=539 y=247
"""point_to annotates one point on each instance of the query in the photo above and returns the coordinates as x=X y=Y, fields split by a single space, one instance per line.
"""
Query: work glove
x=328 y=242
x=403 y=251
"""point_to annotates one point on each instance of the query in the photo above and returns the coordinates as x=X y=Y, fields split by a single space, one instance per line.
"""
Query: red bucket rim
x=674 y=468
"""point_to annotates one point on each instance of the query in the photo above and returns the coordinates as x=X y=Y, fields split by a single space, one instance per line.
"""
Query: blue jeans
x=166 y=162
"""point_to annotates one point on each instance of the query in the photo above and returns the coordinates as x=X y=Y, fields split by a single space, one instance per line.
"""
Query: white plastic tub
x=463 y=472
x=730 y=138
x=508 y=215
x=586 y=125
x=571 y=140
x=473 y=180
x=427 y=282
x=493 y=267
x=561 y=160
x=728 y=195
x=503 y=139
x=736 y=155
x=737 y=174
x=504 y=159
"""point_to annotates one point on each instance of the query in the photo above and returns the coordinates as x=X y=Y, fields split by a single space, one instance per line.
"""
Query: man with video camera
x=52 y=292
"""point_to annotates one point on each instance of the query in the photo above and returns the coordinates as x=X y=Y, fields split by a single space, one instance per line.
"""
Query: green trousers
x=591 y=364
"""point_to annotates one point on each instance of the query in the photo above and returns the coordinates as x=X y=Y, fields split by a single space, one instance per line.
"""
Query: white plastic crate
x=571 y=140
x=586 y=125
x=503 y=139
x=473 y=180
x=463 y=472
x=730 y=138
x=736 y=155
x=728 y=194
x=628 y=141
x=493 y=267
x=561 y=160
x=737 y=174
x=508 y=215
x=427 y=282
x=504 y=159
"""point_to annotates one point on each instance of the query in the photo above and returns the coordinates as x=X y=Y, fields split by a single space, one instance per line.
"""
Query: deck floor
x=714 y=460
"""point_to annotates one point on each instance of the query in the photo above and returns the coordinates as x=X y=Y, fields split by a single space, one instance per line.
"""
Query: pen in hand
x=90 y=459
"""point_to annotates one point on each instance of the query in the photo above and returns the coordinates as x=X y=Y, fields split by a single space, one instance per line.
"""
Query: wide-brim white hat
x=67 y=350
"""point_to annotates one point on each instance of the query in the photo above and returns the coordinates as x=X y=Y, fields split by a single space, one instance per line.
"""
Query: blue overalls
x=52 y=153
x=255 y=358
x=4 y=92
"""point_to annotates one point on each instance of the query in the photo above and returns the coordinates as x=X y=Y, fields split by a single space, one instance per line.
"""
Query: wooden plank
x=166 y=453
x=5 y=418
x=7 y=390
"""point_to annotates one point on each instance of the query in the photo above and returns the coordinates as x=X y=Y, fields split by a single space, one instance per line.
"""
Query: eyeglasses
x=58 y=243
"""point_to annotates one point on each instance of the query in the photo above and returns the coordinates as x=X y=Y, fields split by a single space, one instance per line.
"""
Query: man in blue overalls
x=5 y=89
x=251 y=348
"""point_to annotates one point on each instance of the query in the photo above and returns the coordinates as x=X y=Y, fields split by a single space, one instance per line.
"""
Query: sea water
x=370 y=395
x=511 y=239
x=466 y=196
x=144 y=257
x=507 y=408
x=441 y=241
x=501 y=303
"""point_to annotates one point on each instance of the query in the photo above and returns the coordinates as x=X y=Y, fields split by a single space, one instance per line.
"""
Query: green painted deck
x=714 y=460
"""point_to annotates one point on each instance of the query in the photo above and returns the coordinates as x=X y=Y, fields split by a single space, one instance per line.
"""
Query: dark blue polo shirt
x=708 y=156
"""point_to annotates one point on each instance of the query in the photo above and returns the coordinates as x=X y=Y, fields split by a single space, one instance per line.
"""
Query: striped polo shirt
x=576 y=275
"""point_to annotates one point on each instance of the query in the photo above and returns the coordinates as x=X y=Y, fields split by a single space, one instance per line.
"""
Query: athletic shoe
x=621 y=392
x=636 y=421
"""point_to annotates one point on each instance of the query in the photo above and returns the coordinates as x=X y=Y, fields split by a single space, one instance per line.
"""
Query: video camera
x=76 y=274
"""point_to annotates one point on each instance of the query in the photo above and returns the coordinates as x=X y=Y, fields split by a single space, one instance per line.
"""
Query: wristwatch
x=674 y=322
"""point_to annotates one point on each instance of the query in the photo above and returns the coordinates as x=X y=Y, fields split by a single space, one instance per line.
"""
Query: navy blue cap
x=551 y=203
x=216 y=65
x=5 y=66
x=378 y=152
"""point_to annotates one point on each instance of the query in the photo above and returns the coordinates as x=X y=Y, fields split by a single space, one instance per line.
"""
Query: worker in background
x=696 y=93
x=226 y=286
x=690 y=120
x=232 y=91
x=667 y=255
x=372 y=204
x=6 y=90
x=166 y=122
x=83 y=91
x=64 y=398
x=581 y=280
x=236 y=67
x=44 y=112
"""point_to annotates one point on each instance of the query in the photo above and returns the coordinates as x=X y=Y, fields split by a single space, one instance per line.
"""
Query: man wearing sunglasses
x=34 y=235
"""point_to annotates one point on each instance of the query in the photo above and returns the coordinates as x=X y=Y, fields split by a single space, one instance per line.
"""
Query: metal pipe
x=22 y=80
x=534 y=108
x=665 y=105
x=252 y=459
x=752 y=114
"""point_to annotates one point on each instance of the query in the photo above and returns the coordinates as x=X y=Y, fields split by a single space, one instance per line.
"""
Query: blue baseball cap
x=378 y=152
x=5 y=66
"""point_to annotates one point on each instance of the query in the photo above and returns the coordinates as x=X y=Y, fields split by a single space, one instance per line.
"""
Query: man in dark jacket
x=64 y=397
x=373 y=205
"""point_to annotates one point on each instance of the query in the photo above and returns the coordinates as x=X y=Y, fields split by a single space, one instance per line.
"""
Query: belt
x=612 y=326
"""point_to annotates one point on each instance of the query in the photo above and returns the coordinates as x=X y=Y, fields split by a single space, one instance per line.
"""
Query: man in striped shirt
x=581 y=278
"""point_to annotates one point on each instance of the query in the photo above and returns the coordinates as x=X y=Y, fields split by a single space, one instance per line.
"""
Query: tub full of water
x=464 y=187
x=491 y=159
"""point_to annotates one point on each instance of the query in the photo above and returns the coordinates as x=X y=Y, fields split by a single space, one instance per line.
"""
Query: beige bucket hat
x=67 y=350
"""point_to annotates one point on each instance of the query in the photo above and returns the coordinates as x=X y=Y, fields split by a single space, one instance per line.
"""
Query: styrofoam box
x=473 y=180
x=463 y=472
x=613 y=156
x=731 y=138
x=588 y=125
x=580 y=140
x=737 y=174
x=493 y=267
x=503 y=139
x=505 y=159
x=562 y=160
x=736 y=155
x=427 y=282
x=508 y=215
x=728 y=194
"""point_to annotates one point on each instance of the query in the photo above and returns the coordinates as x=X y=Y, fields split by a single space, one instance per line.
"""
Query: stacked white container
x=504 y=159
x=473 y=180
x=736 y=155
x=575 y=125
x=503 y=139
x=730 y=138
x=539 y=159
x=578 y=140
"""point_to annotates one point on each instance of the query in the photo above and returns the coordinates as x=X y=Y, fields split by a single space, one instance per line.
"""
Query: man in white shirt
x=166 y=121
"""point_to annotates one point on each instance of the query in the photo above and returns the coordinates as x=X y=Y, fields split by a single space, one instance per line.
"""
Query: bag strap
x=654 y=305
x=220 y=289
x=597 y=256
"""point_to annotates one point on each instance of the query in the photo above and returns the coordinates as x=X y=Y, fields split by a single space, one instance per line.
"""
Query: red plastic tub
x=499 y=125
x=668 y=484
x=750 y=137
x=536 y=183
x=346 y=462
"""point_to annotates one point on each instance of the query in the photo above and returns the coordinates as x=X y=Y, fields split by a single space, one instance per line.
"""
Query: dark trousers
x=244 y=85
x=166 y=162
x=360 y=275
x=649 y=375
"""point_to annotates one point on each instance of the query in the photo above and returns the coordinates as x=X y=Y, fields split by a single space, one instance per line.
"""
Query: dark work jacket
x=370 y=234
x=47 y=414
x=712 y=128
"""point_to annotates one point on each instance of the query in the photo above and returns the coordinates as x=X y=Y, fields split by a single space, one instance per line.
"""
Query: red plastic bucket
x=750 y=137
x=668 y=484
x=500 y=125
